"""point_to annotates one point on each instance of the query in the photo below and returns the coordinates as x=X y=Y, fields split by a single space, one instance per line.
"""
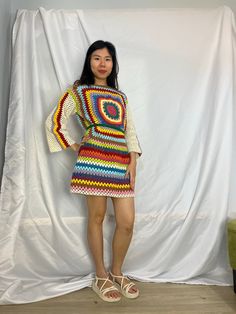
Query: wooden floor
x=154 y=298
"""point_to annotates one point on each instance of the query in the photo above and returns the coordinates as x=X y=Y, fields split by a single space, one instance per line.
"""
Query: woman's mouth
x=102 y=71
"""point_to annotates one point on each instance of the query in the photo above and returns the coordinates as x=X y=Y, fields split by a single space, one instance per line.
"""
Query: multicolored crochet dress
x=103 y=158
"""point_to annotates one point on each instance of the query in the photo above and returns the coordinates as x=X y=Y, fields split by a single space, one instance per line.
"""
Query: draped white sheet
x=177 y=67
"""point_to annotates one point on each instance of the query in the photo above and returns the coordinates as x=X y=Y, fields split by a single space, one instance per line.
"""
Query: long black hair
x=87 y=76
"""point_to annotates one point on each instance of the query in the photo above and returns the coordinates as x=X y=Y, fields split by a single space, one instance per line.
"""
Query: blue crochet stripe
x=95 y=177
x=82 y=165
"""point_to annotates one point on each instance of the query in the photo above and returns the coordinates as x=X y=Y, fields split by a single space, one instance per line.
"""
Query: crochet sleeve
x=58 y=137
x=130 y=133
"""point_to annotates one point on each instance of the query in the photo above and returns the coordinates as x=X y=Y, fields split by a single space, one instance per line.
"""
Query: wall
x=8 y=10
x=99 y=4
x=5 y=52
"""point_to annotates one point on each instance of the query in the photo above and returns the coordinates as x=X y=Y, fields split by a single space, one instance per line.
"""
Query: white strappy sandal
x=101 y=292
x=124 y=288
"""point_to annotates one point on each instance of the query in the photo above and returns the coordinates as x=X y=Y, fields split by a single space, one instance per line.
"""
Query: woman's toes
x=133 y=290
x=112 y=295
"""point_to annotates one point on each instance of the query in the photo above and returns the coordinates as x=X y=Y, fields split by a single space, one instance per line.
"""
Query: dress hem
x=102 y=194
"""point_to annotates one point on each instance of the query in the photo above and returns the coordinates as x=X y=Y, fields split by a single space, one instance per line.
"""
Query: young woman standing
x=106 y=162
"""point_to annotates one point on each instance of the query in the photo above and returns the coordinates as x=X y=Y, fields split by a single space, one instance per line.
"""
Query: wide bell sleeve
x=130 y=133
x=58 y=137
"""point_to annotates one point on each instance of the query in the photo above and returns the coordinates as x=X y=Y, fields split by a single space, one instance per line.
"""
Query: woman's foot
x=127 y=287
x=105 y=289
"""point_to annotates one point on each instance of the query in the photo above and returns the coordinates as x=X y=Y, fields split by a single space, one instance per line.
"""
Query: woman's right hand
x=75 y=147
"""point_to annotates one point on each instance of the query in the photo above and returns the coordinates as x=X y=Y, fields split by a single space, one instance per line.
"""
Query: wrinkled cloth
x=177 y=67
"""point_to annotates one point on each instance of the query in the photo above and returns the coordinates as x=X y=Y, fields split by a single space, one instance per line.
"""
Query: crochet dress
x=103 y=158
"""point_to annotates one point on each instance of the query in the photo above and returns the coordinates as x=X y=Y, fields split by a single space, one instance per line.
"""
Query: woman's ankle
x=116 y=272
x=102 y=273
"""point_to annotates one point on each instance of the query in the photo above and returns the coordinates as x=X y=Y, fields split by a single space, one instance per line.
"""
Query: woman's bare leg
x=97 y=206
x=125 y=215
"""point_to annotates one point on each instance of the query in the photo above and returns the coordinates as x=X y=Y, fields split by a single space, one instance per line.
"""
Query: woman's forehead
x=101 y=52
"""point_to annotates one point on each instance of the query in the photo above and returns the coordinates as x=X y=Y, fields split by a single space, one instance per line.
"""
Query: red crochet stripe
x=58 y=119
x=102 y=152
x=95 y=153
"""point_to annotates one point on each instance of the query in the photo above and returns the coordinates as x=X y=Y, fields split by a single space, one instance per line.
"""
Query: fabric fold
x=180 y=82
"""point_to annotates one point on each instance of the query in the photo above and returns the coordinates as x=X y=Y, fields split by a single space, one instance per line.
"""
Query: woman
x=106 y=162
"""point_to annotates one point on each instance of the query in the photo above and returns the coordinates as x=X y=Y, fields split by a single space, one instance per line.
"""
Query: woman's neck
x=100 y=82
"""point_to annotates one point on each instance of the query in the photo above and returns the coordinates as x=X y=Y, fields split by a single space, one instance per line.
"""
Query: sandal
x=124 y=288
x=101 y=292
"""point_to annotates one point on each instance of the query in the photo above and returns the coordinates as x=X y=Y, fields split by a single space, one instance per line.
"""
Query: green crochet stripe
x=107 y=125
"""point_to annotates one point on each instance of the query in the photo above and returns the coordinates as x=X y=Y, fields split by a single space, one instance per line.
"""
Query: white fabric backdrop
x=177 y=67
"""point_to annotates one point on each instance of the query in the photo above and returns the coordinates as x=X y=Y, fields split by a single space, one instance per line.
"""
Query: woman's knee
x=125 y=226
x=96 y=210
x=97 y=219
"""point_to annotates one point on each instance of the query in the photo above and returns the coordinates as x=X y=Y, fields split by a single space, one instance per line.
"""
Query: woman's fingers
x=130 y=173
x=84 y=139
x=132 y=180
x=75 y=147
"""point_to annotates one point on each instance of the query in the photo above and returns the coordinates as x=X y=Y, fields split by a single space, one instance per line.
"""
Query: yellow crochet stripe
x=99 y=161
x=108 y=131
x=107 y=145
x=89 y=182
x=55 y=119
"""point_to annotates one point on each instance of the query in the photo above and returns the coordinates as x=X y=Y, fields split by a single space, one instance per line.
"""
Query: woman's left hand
x=131 y=172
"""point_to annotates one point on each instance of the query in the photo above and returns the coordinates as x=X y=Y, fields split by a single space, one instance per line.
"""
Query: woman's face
x=101 y=64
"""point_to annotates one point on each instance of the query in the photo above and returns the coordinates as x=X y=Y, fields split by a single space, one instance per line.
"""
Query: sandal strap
x=116 y=276
x=104 y=279
x=112 y=288
x=105 y=290
x=127 y=286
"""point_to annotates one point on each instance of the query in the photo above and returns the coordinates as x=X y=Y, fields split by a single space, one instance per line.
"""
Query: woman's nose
x=102 y=62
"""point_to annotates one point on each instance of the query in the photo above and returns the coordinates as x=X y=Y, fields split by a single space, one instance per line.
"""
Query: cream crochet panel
x=68 y=109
